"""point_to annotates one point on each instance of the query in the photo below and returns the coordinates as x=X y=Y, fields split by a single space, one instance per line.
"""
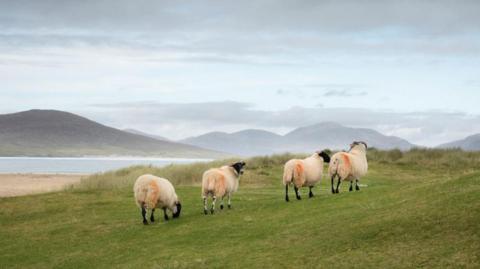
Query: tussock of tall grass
x=183 y=174
x=434 y=158
x=262 y=170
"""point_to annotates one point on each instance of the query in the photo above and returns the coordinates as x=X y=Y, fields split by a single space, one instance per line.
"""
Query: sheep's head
x=178 y=209
x=359 y=143
x=238 y=167
x=324 y=155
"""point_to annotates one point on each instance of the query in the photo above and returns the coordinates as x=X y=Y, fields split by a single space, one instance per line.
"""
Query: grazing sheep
x=351 y=165
x=154 y=192
x=219 y=182
x=302 y=173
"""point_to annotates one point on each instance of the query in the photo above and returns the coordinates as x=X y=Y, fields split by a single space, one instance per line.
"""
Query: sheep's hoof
x=229 y=206
x=221 y=207
x=350 y=189
x=212 y=211
x=357 y=188
x=152 y=220
x=337 y=191
x=166 y=218
x=205 y=211
x=299 y=198
x=145 y=222
x=286 y=199
x=310 y=195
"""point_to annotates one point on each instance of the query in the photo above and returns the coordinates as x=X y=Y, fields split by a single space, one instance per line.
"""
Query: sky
x=184 y=68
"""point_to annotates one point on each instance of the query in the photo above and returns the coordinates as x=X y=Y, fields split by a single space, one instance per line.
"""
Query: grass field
x=418 y=209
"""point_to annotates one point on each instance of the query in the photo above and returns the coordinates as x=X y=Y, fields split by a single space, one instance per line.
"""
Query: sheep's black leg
x=152 y=219
x=338 y=184
x=351 y=186
x=212 y=209
x=310 y=193
x=165 y=216
x=205 y=211
x=333 y=183
x=221 y=204
x=296 y=193
x=286 y=193
x=229 y=201
x=144 y=212
x=356 y=185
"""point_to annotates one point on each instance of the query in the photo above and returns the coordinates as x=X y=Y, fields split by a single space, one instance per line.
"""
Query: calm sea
x=85 y=165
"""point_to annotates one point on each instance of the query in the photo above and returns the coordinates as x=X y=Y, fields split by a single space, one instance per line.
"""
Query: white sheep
x=154 y=192
x=304 y=173
x=351 y=165
x=220 y=182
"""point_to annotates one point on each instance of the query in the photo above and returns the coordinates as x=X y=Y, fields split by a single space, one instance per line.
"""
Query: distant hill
x=304 y=139
x=57 y=133
x=246 y=143
x=158 y=137
x=470 y=143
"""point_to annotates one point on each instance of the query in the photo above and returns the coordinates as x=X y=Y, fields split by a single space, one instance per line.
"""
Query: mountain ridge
x=40 y=132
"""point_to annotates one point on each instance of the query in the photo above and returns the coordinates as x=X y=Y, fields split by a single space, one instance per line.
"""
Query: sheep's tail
x=208 y=183
x=141 y=196
x=288 y=175
x=333 y=167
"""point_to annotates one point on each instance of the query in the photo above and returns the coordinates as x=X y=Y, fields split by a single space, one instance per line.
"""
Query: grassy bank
x=418 y=209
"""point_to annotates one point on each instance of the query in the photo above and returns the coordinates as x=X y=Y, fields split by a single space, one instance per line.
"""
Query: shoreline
x=19 y=184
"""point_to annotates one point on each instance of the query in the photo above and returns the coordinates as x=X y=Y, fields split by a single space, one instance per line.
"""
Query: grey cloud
x=258 y=28
x=343 y=93
x=182 y=120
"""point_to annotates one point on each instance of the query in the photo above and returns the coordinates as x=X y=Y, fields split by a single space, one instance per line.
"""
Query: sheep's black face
x=238 y=166
x=356 y=143
x=325 y=156
x=179 y=209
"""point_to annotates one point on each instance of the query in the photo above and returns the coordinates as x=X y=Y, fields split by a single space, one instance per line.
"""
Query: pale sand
x=24 y=184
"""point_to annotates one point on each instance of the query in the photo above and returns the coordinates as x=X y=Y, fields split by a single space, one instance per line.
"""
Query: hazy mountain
x=470 y=143
x=57 y=133
x=335 y=136
x=158 y=137
x=247 y=142
x=304 y=139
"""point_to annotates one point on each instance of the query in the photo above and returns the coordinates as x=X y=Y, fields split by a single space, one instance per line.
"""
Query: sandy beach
x=24 y=184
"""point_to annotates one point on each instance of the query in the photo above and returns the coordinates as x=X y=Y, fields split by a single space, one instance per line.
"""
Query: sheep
x=154 y=192
x=219 y=182
x=351 y=165
x=303 y=173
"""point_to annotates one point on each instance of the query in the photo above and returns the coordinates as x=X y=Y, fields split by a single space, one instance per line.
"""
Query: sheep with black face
x=220 y=182
x=349 y=166
x=154 y=192
x=304 y=173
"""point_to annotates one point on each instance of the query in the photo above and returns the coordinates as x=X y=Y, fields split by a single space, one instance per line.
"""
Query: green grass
x=419 y=209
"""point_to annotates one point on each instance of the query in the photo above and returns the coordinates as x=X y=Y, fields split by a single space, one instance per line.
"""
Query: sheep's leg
x=229 y=201
x=356 y=185
x=333 y=183
x=338 y=183
x=212 y=210
x=221 y=203
x=144 y=213
x=165 y=216
x=351 y=186
x=310 y=193
x=296 y=193
x=286 y=193
x=152 y=219
x=205 y=205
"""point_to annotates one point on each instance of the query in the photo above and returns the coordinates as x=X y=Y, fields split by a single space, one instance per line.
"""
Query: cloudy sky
x=182 y=68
